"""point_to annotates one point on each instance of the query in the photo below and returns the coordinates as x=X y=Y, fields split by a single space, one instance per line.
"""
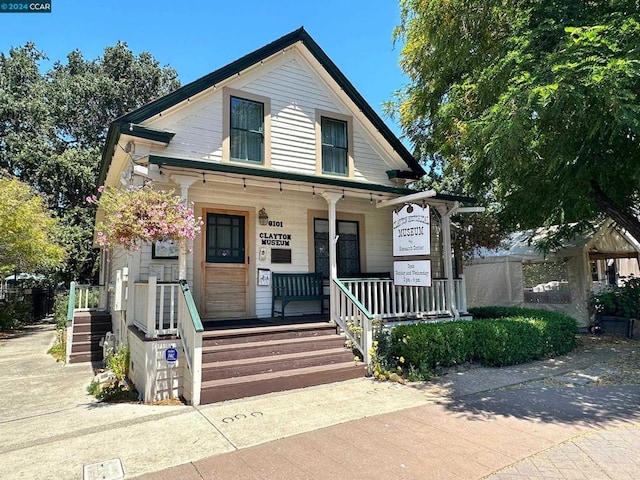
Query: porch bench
x=296 y=287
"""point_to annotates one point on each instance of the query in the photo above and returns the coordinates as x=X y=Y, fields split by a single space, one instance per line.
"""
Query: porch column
x=185 y=182
x=446 y=213
x=332 y=198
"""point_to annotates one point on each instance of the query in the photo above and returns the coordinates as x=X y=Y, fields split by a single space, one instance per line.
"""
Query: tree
x=53 y=126
x=534 y=103
x=27 y=230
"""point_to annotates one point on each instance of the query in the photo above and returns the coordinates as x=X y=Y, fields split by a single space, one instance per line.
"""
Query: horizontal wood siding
x=290 y=208
x=296 y=92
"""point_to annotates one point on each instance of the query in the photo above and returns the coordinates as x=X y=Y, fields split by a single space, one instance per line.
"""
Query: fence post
x=151 y=307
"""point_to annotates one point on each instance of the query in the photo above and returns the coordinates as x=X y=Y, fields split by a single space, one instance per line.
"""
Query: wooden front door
x=226 y=265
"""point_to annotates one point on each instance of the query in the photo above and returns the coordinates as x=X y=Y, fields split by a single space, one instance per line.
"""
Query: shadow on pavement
x=571 y=405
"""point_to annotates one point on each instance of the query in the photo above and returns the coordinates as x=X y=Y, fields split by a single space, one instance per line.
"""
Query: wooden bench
x=296 y=287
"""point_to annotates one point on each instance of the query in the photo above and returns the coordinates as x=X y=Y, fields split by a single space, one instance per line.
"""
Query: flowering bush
x=141 y=214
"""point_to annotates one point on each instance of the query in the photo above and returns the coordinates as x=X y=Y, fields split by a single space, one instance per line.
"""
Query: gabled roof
x=147 y=111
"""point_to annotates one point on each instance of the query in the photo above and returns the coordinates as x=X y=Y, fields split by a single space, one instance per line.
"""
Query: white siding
x=291 y=208
x=296 y=92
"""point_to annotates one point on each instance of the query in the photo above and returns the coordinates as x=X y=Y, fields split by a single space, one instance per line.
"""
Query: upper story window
x=247 y=130
x=334 y=139
x=246 y=125
x=334 y=146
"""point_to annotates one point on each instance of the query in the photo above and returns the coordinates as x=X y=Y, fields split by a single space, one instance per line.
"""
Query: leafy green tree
x=28 y=232
x=53 y=126
x=535 y=104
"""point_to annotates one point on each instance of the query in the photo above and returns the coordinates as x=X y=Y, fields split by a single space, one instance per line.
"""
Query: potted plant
x=617 y=306
x=142 y=214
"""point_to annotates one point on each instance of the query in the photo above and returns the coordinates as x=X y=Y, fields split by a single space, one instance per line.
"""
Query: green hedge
x=499 y=336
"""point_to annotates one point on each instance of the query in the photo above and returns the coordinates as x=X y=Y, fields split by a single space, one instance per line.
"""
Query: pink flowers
x=141 y=214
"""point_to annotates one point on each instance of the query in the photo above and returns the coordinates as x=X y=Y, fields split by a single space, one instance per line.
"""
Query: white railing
x=353 y=318
x=460 y=294
x=385 y=300
x=87 y=297
x=190 y=330
x=156 y=308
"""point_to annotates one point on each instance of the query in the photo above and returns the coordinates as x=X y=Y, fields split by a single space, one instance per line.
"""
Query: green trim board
x=133 y=130
x=241 y=170
x=201 y=166
x=183 y=93
x=148 y=133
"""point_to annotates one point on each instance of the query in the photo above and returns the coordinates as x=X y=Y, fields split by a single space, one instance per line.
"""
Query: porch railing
x=86 y=297
x=353 y=318
x=190 y=329
x=156 y=307
x=384 y=299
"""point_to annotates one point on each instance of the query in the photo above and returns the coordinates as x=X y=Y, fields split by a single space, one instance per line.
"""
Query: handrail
x=191 y=306
x=72 y=302
x=191 y=334
x=362 y=319
x=70 y=310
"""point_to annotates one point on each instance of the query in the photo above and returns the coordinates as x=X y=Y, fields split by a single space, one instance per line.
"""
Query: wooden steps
x=244 y=362
x=88 y=329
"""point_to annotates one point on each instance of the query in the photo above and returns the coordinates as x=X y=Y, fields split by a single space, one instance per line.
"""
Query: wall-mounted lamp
x=263 y=217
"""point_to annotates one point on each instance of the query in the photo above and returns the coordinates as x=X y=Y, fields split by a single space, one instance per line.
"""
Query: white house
x=292 y=172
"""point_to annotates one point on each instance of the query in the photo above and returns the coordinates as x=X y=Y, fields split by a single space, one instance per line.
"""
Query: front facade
x=291 y=172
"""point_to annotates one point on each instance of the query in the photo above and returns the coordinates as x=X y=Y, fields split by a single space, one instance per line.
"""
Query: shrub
x=617 y=301
x=505 y=336
x=15 y=311
x=60 y=310
x=118 y=362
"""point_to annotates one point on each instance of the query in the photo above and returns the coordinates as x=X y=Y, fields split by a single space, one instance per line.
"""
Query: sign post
x=171 y=357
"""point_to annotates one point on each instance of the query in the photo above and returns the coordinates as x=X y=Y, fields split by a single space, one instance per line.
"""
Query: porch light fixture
x=263 y=217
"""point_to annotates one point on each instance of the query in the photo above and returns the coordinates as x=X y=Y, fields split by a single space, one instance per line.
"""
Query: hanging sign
x=411 y=231
x=412 y=273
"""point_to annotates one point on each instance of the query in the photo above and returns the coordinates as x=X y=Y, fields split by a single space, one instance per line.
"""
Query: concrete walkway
x=482 y=423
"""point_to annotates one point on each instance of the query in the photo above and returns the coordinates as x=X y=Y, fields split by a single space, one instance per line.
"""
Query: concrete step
x=250 y=385
x=274 y=363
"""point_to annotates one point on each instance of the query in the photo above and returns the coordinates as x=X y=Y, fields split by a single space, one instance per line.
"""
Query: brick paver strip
x=610 y=454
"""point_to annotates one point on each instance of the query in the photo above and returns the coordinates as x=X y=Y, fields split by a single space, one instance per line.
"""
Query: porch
x=228 y=358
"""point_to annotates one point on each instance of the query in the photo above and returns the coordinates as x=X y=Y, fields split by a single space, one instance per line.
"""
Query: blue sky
x=196 y=37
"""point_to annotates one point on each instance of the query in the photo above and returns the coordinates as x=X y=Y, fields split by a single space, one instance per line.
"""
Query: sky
x=197 y=37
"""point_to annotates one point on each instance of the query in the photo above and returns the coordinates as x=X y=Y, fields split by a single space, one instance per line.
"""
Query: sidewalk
x=463 y=426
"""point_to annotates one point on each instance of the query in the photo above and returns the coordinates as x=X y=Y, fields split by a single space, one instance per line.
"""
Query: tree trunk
x=623 y=218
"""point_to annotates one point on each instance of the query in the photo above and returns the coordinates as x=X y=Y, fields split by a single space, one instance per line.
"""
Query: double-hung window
x=246 y=133
x=335 y=146
x=348 y=251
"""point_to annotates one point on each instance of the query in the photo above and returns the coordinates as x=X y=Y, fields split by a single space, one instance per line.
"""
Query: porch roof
x=241 y=171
